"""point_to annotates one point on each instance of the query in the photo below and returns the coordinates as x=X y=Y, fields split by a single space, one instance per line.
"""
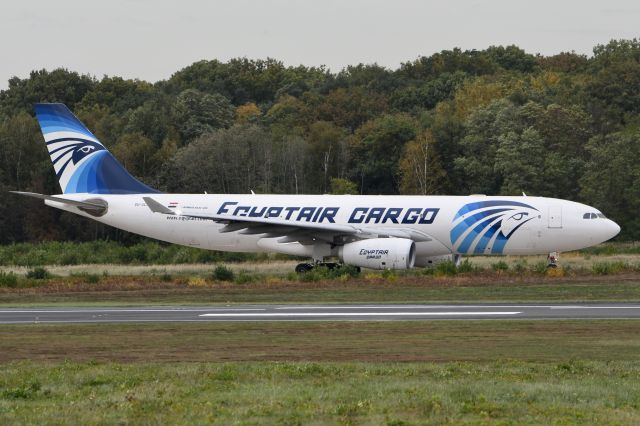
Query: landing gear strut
x=552 y=259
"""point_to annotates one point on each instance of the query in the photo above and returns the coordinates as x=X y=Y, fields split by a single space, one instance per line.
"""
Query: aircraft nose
x=613 y=228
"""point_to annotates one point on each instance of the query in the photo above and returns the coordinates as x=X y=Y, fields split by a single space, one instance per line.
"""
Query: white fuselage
x=456 y=225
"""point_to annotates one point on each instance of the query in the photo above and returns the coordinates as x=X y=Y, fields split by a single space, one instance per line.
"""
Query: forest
x=498 y=121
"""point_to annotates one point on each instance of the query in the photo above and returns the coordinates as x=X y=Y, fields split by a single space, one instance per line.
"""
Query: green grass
x=106 y=252
x=326 y=341
x=166 y=290
x=321 y=393
x=528 y=372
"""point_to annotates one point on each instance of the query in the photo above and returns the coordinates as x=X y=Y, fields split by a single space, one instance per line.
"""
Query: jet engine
x=380 y=253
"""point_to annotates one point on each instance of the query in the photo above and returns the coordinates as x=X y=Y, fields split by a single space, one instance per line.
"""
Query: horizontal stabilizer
x=94 y=206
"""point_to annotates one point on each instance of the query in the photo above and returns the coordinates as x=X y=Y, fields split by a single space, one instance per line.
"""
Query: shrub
x=222 y=273
x=389 y=275
x=92 y=278
x=466 y=266
x=447 y=268
x=29 y=391
x=88 y=278
x=244 y=277
x=500 y=266
x=555 y=272
x=539 y=267
x=8 y=279
x=196 y=282
x=38 y=273
x=520 y=266
x=347 y=270
x=320 y=272
x=605 y=268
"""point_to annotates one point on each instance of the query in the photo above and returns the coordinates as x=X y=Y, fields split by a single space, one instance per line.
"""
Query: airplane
x=369 y=231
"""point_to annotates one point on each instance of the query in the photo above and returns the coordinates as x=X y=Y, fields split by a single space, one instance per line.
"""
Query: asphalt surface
x=371 y=312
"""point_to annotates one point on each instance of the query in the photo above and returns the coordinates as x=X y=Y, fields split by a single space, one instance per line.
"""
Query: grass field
x=524 y=372
x=326 y=341
x=411 y=372
x=574 y=262
x=494 y=287
x=502 y=392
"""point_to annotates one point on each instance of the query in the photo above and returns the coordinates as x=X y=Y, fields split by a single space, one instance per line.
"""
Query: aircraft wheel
x=302 y=268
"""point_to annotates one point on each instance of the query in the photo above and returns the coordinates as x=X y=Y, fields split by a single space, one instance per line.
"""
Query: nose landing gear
x=552 y=259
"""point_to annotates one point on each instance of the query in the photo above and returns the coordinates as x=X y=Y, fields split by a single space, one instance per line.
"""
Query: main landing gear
x=303 y=268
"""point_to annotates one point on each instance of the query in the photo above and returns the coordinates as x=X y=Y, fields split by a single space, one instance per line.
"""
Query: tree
x=136 y=153
x=59 y=85
x=611 y=180
x=197 y=113
x=118 y=94
x=351 y=107
x=341 y=186
x=520 y=162
x=247 y=113
x=376 y=150
x=420 y=169
x=234 y=160
x=483 y=130
x=327 y=154
x=154 y=119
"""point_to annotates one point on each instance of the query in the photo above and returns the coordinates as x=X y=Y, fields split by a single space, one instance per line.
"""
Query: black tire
x=303 y=268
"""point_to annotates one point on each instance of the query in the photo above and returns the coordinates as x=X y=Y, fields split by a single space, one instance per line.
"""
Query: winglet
x=156 y=207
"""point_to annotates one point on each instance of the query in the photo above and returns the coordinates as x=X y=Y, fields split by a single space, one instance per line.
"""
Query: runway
x=370 y=312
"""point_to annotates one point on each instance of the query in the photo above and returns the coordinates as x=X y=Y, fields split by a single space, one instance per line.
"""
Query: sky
x=152 y=39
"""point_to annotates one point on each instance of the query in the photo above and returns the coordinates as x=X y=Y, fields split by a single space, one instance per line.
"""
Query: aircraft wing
x=295 y=231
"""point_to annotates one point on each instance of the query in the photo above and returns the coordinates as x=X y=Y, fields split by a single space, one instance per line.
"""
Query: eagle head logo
x=70 y=152
x=485 y=226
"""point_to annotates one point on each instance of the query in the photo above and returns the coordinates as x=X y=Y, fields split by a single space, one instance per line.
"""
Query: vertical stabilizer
x=82 y=164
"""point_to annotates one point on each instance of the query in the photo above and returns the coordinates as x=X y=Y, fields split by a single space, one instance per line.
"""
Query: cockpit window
x=593 y=216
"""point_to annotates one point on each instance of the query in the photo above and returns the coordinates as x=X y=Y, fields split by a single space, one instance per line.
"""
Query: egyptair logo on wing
x=485 y=226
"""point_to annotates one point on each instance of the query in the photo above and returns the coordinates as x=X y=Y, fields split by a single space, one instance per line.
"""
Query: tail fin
x=81 y=162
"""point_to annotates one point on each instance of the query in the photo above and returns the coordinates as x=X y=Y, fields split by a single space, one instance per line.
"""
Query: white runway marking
x=92 y=311
x=447 y=307
x=596 y=307
x=353 y=314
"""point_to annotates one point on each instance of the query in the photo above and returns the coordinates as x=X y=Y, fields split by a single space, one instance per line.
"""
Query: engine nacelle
x=380 y=253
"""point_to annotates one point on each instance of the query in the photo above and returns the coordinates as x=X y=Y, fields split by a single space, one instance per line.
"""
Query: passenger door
x=555 y=217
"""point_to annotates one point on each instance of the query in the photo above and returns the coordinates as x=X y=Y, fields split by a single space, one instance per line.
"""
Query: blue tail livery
x=82 y=164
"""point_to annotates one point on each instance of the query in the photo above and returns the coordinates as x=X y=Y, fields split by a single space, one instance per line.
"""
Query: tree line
x=494 y=121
